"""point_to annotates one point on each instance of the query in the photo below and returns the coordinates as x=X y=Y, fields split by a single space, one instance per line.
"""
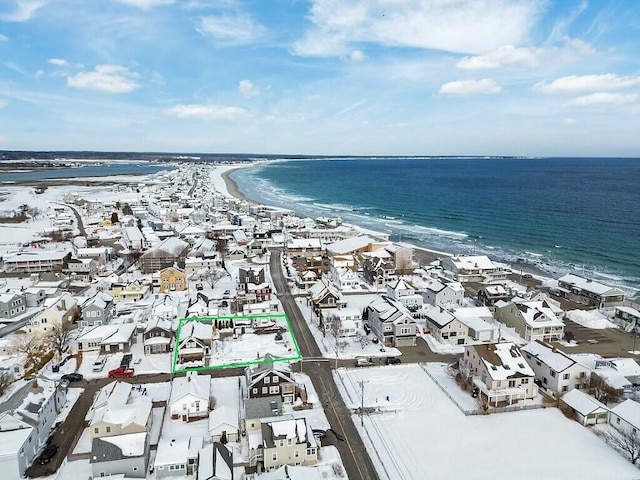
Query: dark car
x=72 y=377
x=393 y=361
x=47 y=454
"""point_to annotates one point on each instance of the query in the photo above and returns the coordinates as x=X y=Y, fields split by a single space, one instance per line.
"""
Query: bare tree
x=601 y=390
x=363 y=339
x=6 y=379
x=626 y=442
x=30 y=345
x=213 y=275
x=335 y=325
x=58 y=336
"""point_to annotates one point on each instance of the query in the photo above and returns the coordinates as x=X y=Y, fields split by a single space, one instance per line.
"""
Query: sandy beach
x=231 y=186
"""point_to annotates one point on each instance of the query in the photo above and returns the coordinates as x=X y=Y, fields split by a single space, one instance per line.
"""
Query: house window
x=267 y=379
x=544 y=380
x=274 y=457
x=96 y=430
x=565 y=376
x=553 y=374
x=512 y=383
x=265 y=390
x=296 y=454
x=274 y=390
x=108 y=429
x=276 y=379
x=255 y=390
x=525 y=380
x=565 y=388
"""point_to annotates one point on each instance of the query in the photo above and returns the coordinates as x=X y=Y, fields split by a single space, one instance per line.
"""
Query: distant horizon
x=285 y=156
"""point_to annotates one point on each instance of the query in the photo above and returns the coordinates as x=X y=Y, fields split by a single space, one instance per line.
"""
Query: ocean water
x=578 y=215
x=83 y=171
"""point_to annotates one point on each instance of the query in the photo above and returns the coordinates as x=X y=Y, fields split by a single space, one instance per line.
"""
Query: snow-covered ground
x=590 y=319
x=347 y=347
x=422 y=434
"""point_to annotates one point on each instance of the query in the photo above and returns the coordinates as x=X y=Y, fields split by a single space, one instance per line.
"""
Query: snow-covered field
x=590 y=319
x=422 y=434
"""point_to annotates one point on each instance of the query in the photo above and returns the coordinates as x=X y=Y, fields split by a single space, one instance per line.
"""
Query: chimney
x=63 y=304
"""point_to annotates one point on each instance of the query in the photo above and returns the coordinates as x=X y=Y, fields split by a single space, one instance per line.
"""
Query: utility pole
x=362 y=382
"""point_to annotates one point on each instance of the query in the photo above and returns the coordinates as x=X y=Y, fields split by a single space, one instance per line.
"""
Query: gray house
x=12 y=304
x=126 y=455
x=98 y=310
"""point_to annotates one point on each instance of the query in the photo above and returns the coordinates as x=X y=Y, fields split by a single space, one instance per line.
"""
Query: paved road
x=79 y=223
x=354 y=455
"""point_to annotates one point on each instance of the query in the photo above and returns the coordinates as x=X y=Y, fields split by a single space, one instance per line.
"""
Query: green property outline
x=174 y=362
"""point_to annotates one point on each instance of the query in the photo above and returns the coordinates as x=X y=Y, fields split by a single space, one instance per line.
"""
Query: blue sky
x=357 y=77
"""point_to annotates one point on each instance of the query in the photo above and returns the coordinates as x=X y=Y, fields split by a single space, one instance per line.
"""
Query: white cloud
x=3 y=38
x=228 y=29
x=587 y=83
x=147 y=4
x=603 y=99
x=3 y=103
x=357 y=56
x=503 y=56
x=58 y=61
x=24 y=10
x=206 y=112
x=485 y=86
x=105 y=78
x=451 y=25
x=247 y=89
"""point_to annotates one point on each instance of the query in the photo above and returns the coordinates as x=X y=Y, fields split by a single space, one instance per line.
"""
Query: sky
x=322 y=77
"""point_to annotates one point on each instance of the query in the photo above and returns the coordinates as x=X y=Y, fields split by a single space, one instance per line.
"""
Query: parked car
x=72 y=377
x=393 y=361
x=121 y=372
x=126 y=360
x=363 y=362
x=47 y=454
x=98 y=365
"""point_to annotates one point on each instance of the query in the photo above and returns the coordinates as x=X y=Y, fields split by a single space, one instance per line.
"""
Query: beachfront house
x=627 y=317
x=473 y=268
x=405 y=293
x=532 y=320
x=443 y=295
x=499 y=373
x=589 y=292
x=555 y=371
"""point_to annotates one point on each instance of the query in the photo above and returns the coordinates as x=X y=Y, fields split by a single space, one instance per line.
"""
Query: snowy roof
x=629 y=411
x=538 y=314
x=215 y=461
x=114 y=393
x=192 y=230
x=581 y=402
x=472 y=262
x=172 y=451
x=172 y=246
x=191 y=384
x=36 y=255
x=390 y=310
x=630 y=311
x=223 y=415
x=553 y=358
x=295 y=429
x=130 y=445
x=13 y=434
x=193 y=328
x=589 y=285
x=465 y=313
x=137 y=413
x=292 y=472
x=439 y=316
x=109 y=333
x=349 y=245
x=133 y=234
x=302 y=243
x=503 y=360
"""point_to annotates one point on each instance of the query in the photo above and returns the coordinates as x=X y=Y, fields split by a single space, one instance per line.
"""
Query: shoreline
x=232 y=186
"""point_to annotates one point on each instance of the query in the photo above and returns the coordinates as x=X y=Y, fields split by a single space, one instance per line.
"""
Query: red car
x=121 y=372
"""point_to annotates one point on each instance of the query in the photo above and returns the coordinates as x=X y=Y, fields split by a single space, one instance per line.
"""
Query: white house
x=443 y=295
x=589 y=292
x=190 y=396
x=404 y=293
x=288 y=441
x=177 y=456
x=224 y=421
x=538 y=320
x=556 y=371
x=473 y=268
x=586 y=409
x=499 y=372
x=626 y=417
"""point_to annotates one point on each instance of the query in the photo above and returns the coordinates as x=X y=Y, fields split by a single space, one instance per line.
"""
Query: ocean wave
x=334 y=206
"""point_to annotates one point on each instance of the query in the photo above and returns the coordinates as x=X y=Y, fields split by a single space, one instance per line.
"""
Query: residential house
x=479 y=322
x=627 y=317
x=499 y=372
x=177 y=457
x=443 y=295
x=158 y=335
x=57 y=311
x=101 y=255
x=98 y=310
x=589 y=292
x=625 y=417
x=537 y=320
x=18 y=446
x=288 y=441
x=12 y=305
x=36 y=260
x=257 y=409
x=81 y=269
x=391 y=322
x=304 y=247
x=489 y=295
x=378 y=268
x=172 y=279
x=108 y=338
x=473 y=268
x=345 y=278
x=126 y=455
x=224 y=424
x=445 y=327
x=195 y=342
x=405 y=293
x=171 y=251
x=122 y=418
x=349 y=321
x=133 y=239
x=586 y=409
x=555 y=371
x=323 y=295
x=130 y=291
x=215 y=462
x=190 y=397
x=271 y=378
